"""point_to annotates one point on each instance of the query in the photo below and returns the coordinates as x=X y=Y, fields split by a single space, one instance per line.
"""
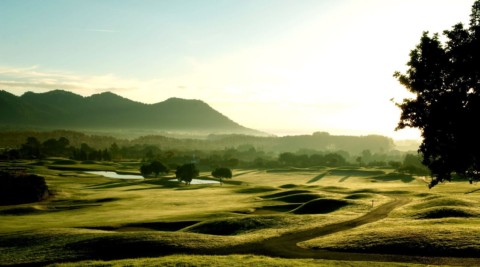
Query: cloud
x=20 y=80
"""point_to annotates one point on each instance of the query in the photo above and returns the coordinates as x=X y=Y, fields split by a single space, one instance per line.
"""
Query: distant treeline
x=319 y=141
x=242 y=156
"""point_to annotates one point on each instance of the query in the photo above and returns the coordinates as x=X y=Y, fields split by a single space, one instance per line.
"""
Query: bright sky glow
x=281 y=66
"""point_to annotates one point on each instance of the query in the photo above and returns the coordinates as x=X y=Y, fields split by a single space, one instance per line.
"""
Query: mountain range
x=59 y=109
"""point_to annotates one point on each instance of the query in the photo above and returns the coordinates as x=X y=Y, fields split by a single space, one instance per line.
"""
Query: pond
x=198 y=181
x=115 y=175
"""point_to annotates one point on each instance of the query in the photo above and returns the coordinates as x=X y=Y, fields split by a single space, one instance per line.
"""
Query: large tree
x=156 y=167
x=222 y=173
x=445 y=79
x=186 y=173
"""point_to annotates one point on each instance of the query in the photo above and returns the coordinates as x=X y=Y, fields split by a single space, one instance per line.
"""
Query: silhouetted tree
x=158 y=167
x=445 y=78
x=31 y=149
x=186 y=173
x=17 y=188
x=222 y=173
x=145 y=170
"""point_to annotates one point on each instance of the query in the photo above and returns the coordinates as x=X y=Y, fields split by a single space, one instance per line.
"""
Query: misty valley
x=121 y=142
x=298 y=200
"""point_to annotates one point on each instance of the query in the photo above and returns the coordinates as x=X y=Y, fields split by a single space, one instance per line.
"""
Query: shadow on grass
x=235 y=226
x=255 y=189
x=276 y=208
x=355 y=172
x=445 y=212
x=321 y=206
x=405 y=178
x=286 y=193
x=360 y=196
x=154 y=226
x=316 y=178
x=162 y=182
x=56 y=206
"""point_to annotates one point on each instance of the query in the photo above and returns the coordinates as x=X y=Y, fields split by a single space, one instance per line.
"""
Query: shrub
x=21 y=188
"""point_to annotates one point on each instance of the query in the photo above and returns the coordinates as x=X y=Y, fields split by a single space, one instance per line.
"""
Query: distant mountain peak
x=109 y=111
x=52 y=92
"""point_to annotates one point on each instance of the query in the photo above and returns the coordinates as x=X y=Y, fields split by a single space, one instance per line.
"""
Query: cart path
x=285 y=245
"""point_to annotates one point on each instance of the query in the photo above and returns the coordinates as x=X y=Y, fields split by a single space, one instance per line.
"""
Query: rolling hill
x=59 y=109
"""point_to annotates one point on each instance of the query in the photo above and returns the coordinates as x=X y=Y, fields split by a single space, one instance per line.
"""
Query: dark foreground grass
x=182 y=260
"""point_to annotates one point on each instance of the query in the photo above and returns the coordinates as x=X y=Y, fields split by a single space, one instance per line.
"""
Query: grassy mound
x=426 y=195
x=286 y=193
x=229 y=260
x=256 y=189
x=298 y=198
x=359 y=196
x=154 y=226
x=321 y=206
x=445 y=212
x=288 y=186
x=422 y=239
x=277 y=208
x=336 y=189
x=441 y=201
x=235 y=226
x=365 y=190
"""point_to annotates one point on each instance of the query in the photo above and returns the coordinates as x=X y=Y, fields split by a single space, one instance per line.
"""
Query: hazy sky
x=282 y=66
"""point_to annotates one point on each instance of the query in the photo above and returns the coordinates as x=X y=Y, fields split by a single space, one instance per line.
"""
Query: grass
x=145 y=218
x=321 y=206
x=446 y=237
x=230 y=260
x=298 y=198
x=286 y=193
x=235 y=226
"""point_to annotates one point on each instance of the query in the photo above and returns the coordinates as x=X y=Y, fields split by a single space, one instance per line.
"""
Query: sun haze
x=281 y=66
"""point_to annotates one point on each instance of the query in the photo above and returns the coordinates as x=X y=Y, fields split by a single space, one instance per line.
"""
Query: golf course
x=319 y=216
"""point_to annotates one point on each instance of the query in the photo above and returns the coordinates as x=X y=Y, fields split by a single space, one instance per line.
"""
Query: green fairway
x=89 y=217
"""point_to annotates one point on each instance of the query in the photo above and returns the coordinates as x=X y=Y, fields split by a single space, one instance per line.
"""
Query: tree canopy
x=445 y=79
x=222 y=173
x=156 y=167
x=186 y=173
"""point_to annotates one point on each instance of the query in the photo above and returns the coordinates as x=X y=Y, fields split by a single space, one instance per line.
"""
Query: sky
x=285 y=67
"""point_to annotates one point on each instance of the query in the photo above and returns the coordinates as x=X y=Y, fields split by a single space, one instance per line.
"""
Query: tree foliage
x=186 y=173
x=445 y=79
x=222 y=173
x=156 y=167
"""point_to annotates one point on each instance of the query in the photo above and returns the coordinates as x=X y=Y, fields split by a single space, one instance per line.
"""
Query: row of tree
x=242 y=157
x=184 y=173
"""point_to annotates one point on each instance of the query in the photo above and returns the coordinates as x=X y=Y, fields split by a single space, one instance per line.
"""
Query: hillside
x=107 y=111
x=304 y=143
